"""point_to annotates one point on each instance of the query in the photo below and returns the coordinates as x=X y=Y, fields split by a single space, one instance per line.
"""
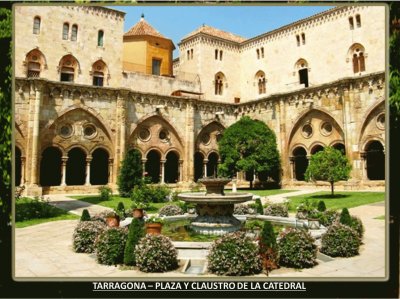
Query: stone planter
x=313 y=223
x=112 y=221
x=137 y=213
x=153 y=228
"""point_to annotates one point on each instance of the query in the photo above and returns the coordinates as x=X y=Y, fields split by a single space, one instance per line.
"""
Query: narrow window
x=355 y=64
x=74 y=32
x=358 y=20
x=188 y=54
x=218 y=85
x=65 y=31
x=156 y=67
x=258 y=53
x=216 y=54
x=98 y=78
x=351 y=23
x=261 y=85
x=36 y=25
x=361 y=62
x=67 y=74
x=262 y=52
x=220 y=55
x=100 y=38
x=303 y=74
x=33 y=70
x=303 y=38
x=298 y=40
x=191 y=53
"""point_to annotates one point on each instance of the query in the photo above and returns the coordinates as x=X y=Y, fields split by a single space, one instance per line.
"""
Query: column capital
x=363 y=155
x=163 y=161
x=144 y=160
x=205 y=161
x=292 y=159
x=89 y=159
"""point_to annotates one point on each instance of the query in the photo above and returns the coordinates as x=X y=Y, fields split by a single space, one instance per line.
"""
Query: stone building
x=81 y=103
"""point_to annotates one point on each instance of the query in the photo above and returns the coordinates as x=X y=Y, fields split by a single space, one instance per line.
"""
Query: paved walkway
x=45 y=250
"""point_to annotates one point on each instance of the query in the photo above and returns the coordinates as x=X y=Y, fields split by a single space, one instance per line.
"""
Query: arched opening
x=356 y=53
x=317 y=148
x=198 y=166
x=261 y=82
x=50 y=167
x=302 y=67
x=171 y=168
x=76 y=167
x=18 y=166
x=375 y=161
x=153 y=166
x=340 y=147
x=212 y=164
x=300 y=163
x=99 y=167
x=219 y=80
x=99 y=69
x=68 y=67
x=34 y=63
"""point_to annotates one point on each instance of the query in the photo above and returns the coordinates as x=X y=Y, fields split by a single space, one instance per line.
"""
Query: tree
x=249 y=145
x=345 y=217
x=328 y=165
x=131 y=172
x=85 y=215
x=136 y=232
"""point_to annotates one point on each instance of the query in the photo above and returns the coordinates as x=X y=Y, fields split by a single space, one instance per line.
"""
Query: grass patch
x=380 y=217
x=339 y=201
x=264 y=192
x=66 y=216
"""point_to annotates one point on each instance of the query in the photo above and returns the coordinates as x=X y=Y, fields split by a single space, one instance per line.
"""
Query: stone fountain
x=215 y=208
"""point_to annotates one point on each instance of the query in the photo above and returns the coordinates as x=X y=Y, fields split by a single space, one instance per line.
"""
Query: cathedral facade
x=86 y=93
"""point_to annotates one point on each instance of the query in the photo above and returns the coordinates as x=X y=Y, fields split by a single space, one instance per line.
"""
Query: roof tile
x=217 y=33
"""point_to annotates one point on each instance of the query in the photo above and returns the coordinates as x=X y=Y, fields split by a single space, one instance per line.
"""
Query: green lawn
x=66 y=216
x=264 y=192
x=113 y=202
x=340 y=200
x=380 y=217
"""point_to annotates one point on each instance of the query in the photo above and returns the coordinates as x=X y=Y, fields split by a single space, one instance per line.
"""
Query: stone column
x=162 y=171
x=144 y=167
x=120 y=134
x=64 y=160
x=364 y=175
x=282 y=121
x=180 y=170
x=88 y=160
x=22 y=171
x=189 y=142
x=205 y=161
x=110 y=170
x=292 y=170
x=35 y=133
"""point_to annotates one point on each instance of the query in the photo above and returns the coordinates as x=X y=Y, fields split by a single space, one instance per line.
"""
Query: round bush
x=85 y=235
x=156 y=253
x=276 y=209
x=234 y=254
x=110 y=246
x=357 y=225
x=297 y=249
x=242 y=209
x=340 y=240
x=170 y=210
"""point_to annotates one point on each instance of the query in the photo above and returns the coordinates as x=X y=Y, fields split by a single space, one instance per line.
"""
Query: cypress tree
x=85 y=215
x=136 y=232
x=345 y=217
x=321 y=206
x=131 y=172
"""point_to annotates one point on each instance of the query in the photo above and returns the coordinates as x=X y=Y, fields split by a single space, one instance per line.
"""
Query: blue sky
x=175 y=22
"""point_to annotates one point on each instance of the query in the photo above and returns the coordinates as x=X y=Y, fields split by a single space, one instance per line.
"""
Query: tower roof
x=143 y=28
x=217 y=33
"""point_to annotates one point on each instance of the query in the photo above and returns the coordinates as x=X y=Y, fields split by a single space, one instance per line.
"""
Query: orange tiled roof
x=217 y=33
x=143 y=28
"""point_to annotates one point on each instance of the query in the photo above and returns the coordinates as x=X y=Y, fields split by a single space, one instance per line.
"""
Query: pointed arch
x=68 y=68
x=34 y=63
x=99 y=72
x=219 y=83
x=370 y=114
x=261 y=82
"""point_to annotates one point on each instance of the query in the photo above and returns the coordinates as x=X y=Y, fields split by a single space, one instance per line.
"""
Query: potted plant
x=137 y=209
x=112 y=219
x=154 y=225
x=313 y=219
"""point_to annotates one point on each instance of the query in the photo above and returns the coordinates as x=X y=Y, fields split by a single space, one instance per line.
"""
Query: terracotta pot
x=137 y=213
x=112 y=221
x=153 y=228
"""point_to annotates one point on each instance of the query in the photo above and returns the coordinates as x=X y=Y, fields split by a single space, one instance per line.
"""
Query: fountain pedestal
x=214 y=208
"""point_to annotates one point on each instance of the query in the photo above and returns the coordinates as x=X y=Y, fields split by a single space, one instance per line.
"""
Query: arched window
x=258 y=53
x=358 y=58
x=36 y=25
x=100 y=38
x=74 y=32
x=67 y=68
x=65 y=31
x=191 y=53
x=303 y=38
x=216 y=54
x=34 y=62
x=298 y=40
x=220 y=54
x=219 y=83
x=262 y=52
x=302 y=67
x=351 y=23
x=261 y=82
x=99 y=70
x=358 y=20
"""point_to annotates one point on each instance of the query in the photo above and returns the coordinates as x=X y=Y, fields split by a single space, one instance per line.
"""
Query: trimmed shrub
x=170 y=210
x=234 y=254
x=259 y=207
x=85 y=235
x=243 y=209
x=321 y=206
x=110 y=246
x=85 y=215
x=150 y=194
x=340 y=240
x=267 y=236
x=329 y=217
x=276 y=209
x=101 y=216
x=357 y=225
x=105 y=192
x=120 y=210
x=268 y=247
x=136 y=232
x=130 y=174
x=297 y=249
x=345 y=217
x=156 y=253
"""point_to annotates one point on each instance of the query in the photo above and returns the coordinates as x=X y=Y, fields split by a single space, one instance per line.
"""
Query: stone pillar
x=88 y=160
x=205 y=161
x=144 y=167
x=35 y=133
x=120 y=134
x=180 y=170
x=22 y=171
x=64 y=160
x=292 y=168
x=282 y=148
x=364 y=175
x=189 y=142
x=162 y=171
x=110 y=170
